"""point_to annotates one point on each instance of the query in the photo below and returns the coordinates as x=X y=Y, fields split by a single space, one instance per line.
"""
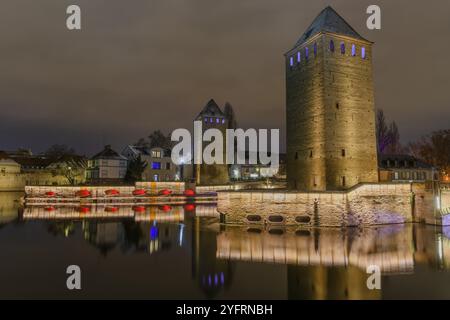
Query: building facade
x=18 y=170
x=405 y=168
x=159 y=163
x=106 y=167
x=213 y=174
x=331 y=142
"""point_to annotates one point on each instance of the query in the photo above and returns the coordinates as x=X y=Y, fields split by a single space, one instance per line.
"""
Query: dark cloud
x=146 y=64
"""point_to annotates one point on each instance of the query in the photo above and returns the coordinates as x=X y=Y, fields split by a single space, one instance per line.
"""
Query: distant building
x=212 y=116
x=330 y=114
x=18 y=169
x=106 y=167
x=10 y=178
x=159 y=163
x=8 y=165
x=258 y=171
x=404 y=168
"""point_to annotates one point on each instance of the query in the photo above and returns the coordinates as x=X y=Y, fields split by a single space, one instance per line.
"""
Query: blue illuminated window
x=223 y=121
x=291 y=61
x=306 y=53
x=217 y=120
x=363 y=52
x=299 y=56
x=211 y=120
x=331 y=45
x=206 y=120
x=156 y=165
x=353 y=50
x=342 y=48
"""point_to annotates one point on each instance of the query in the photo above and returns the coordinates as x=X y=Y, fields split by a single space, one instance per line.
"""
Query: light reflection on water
x=183 y=252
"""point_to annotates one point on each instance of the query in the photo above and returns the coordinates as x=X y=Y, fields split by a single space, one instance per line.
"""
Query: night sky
x=143 y=65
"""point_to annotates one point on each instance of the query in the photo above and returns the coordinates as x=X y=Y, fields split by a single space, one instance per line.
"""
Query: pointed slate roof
x=108 y=153
x=211 y=109
x=329 y=21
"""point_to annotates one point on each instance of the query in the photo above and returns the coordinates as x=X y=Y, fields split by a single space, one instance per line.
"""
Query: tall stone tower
x=214 y=174
x=331 y=143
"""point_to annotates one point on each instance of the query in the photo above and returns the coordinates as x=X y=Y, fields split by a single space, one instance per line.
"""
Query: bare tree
x=59 y=150
x=388 y=136
x=433 y=149
x=72 y=167
x=158 y=139
x=231 y=116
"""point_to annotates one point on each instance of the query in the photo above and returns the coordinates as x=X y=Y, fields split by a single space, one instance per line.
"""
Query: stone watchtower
x=331 y=143
x=214 y=174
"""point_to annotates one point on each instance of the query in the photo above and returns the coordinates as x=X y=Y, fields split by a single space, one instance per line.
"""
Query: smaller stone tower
x=212 y=117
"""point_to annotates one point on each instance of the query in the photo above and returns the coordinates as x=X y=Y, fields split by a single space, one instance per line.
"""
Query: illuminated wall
x=331 y=143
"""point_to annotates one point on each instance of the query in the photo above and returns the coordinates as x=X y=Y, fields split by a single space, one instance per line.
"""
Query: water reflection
x=9 y=206
x=209 y=260
x=389 y=247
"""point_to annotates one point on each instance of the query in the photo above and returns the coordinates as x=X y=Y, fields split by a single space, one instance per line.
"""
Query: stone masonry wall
x=366 y=204
x=330 y=115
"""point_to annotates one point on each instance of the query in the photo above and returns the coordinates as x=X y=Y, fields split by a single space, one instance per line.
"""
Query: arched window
x=299 y=56
x=315 y=49
x=353 y=50
x=331 y=45
x=363 y=52
x=342 y=48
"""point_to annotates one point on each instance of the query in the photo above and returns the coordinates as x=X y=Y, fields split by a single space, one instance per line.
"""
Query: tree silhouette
x=388 y=136
x=135 y=169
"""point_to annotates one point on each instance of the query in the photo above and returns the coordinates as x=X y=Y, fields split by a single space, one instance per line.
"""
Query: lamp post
x=182 y=170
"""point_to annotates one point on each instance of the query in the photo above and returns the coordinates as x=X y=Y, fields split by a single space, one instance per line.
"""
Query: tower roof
x=329 y=20
x=211 y=109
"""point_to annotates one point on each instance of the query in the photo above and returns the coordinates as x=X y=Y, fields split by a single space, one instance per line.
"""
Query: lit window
x=315 y=49
x=299 y=56
x=291 y=62
x=353 y=50
x=223 y=121
x=156 y=165
x=206 y=120
x=342 y=48
x=156 y=154
x=217 y=120
x=211 y=120
x=306 y=53
x=331 y=45
x=363 y=52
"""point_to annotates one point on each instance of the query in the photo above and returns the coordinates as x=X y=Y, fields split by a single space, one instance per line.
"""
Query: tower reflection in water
x=331 y=263
x=322 y=263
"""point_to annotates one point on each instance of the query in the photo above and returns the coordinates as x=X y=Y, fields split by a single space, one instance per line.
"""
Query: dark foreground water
x=184 y=253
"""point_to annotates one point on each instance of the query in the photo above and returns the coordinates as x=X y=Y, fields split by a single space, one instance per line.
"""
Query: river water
x=185 y=253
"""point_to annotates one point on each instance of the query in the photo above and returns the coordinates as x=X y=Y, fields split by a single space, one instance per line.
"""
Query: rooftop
x=329 y=20
x=108 y=153
x=211 y=109
x=401 y=161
